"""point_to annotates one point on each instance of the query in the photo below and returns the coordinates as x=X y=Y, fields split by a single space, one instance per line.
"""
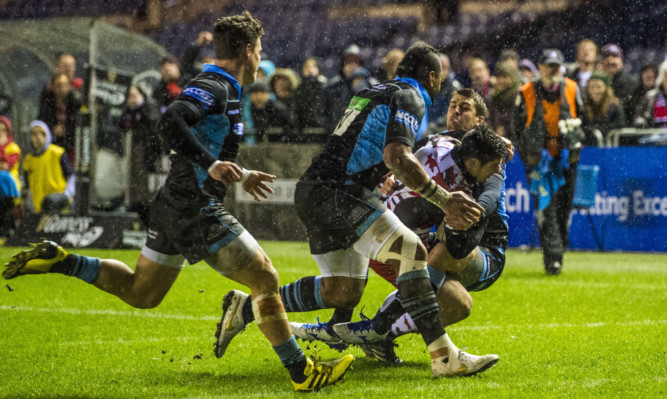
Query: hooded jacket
x=47 y=170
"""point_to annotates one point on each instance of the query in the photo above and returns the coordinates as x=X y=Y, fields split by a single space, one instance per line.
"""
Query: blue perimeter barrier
x=630 y=208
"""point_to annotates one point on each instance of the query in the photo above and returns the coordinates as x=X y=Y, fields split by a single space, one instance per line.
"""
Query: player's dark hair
x=232 y=34
x=478 y=101
x=419 y=60
x=483 y=143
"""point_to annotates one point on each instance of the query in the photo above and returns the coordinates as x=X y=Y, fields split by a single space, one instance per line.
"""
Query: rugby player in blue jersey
x=347 y=223
x=459 y=260
x=187 y=218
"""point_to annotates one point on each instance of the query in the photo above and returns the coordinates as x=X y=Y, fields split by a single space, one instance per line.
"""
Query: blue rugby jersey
x=385 y=113
x=203 y=125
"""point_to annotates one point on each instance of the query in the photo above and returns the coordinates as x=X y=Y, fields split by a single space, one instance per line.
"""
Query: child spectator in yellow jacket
x=48 y=173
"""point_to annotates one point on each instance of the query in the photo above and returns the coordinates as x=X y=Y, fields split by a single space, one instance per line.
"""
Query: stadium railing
x=615 y=135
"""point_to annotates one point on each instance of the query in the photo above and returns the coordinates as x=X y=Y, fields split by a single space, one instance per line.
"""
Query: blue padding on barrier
x=628 y=207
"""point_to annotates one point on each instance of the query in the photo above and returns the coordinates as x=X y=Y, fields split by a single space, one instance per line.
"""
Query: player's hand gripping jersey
x=206 y=128
x=385 y=113
x=437 y=159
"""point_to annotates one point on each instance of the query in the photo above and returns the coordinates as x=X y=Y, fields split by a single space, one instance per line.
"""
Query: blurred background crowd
x=317 y=55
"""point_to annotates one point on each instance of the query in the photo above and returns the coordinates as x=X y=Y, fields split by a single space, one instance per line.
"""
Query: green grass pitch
x=598 y=330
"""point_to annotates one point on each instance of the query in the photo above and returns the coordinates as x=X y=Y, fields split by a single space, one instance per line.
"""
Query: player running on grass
x=459 y=261
x=187 y=217
x=347 y=223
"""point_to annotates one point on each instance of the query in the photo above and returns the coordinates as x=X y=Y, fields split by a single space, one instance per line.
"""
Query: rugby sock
x=392 y=310
x=418 y=300
x=292 y=358
x=82 y=267
x=302 y=295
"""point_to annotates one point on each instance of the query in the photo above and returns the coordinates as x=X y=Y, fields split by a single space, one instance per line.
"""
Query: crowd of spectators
x=292 y=105
x=289 y=106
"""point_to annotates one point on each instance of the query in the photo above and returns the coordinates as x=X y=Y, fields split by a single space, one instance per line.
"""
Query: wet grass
x=598 y=330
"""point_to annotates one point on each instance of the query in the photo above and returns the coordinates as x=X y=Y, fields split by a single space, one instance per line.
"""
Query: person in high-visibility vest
x=548 y=132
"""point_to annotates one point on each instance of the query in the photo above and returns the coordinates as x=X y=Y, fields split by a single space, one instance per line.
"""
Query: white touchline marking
x=153 y=315
x=561 y=325
x=107 y=312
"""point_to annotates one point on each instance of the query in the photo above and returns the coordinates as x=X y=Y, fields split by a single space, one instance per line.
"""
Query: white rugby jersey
x=436 y=159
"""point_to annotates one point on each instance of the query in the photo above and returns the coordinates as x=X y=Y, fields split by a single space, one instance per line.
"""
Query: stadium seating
x=313 y=31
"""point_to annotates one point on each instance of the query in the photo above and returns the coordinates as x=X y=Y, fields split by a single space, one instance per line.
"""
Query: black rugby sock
x=418 y=300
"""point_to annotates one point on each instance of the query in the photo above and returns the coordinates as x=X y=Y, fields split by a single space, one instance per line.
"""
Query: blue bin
x=586 y=186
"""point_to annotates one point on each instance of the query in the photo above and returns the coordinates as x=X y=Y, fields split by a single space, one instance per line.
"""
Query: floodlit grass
x=598 y=330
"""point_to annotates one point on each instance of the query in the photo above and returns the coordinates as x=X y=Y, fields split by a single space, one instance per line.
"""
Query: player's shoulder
x=407 y=97
x=209 y=89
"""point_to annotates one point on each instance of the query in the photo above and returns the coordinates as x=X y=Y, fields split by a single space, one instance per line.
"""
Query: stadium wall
x=629 y=211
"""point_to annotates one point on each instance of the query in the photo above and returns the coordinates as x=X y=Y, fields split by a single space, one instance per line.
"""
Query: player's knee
x=405 y=251
x=147 y=300
x=465 y=306
x=342 y=292
x=266 y=277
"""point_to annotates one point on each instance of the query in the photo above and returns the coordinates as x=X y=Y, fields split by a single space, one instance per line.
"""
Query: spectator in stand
x=341 y=88
x=612 y=64
x=265 y=70
x=437 y=113
x=308 y=102
x=602 y=110
x=587 y=55
x=140 y=118
x=510 y=58
x=283 y=84
x=652 y=111
x=528 y=70
x=648 y=75
x=49 y=177
x=199 y=53
x=10 y=185
x=480 y=76
x=66 y=64
x=59 y=109
x=503 y=94
x=169 y=87
x=265 y=112
x=389 y=64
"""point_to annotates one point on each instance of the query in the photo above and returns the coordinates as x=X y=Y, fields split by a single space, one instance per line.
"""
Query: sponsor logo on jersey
x=202 y=96
x=407 y=119
x=238 y=129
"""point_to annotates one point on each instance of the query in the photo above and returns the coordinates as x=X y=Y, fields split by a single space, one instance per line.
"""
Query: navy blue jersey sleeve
x=491 y=194
x=407 y=111
x=199 y=98
x=230 y=148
